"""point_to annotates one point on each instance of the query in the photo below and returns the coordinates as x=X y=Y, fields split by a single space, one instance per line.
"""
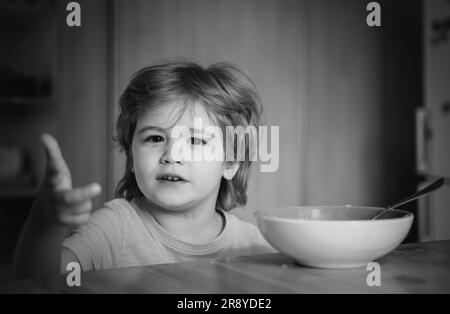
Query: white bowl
x=333 y=236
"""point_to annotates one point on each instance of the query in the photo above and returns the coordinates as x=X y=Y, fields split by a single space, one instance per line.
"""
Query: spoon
x=428 y=189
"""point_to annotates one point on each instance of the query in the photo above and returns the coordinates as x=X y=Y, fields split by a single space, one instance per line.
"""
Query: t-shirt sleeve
x=98 y=243
x=261 y=246
x=248 y=239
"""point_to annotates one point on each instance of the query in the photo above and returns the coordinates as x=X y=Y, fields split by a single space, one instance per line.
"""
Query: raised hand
x=58 y=203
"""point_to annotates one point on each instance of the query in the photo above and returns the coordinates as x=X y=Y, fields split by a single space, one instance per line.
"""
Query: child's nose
x=172 y=153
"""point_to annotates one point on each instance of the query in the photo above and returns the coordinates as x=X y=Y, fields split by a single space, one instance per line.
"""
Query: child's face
x=156 y=164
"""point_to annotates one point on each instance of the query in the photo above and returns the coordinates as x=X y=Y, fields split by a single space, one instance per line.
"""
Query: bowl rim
x=259 y=214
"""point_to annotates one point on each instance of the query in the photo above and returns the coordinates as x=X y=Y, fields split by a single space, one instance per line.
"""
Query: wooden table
x=411 y=268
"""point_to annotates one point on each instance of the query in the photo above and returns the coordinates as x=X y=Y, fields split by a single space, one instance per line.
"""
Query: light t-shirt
x=124 y=234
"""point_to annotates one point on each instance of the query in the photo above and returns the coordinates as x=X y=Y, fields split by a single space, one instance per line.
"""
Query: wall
x=82 y=108
x=344 y=133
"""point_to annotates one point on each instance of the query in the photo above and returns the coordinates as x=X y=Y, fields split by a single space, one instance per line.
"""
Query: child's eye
x=197 y=141
x=155 y=139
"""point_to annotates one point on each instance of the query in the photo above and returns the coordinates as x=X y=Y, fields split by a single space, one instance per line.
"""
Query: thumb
x=57 y=171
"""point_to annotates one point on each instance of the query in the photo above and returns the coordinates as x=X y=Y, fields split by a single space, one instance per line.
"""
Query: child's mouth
x=171 y=179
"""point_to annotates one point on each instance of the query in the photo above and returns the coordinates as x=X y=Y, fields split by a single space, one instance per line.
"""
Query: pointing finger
x=54 y=156
x=57 y=171
x=80 y=194
x=75 y=220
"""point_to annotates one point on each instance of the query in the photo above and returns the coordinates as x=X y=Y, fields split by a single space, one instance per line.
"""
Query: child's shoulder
x=241 y=225
x=118 y=208
x=118 y=204
x=247 y=234
x=115 y=215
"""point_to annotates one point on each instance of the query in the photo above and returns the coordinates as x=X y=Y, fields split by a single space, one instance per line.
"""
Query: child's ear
x=230 y=170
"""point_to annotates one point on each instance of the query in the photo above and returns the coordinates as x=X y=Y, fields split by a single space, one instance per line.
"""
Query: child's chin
x=172 y=205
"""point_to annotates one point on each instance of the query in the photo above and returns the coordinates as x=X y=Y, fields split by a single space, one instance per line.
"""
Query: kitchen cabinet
x=28 y=71
x=61 y=77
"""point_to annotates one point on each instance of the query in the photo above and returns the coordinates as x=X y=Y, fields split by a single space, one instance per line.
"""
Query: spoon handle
x=428 y=189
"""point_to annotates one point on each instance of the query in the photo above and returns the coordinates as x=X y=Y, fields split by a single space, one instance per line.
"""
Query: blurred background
x=364 y=112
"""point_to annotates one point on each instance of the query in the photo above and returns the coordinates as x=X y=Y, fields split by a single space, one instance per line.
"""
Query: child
x=169 y=207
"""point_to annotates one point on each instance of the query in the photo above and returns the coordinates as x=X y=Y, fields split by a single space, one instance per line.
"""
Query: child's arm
x=57 y=207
